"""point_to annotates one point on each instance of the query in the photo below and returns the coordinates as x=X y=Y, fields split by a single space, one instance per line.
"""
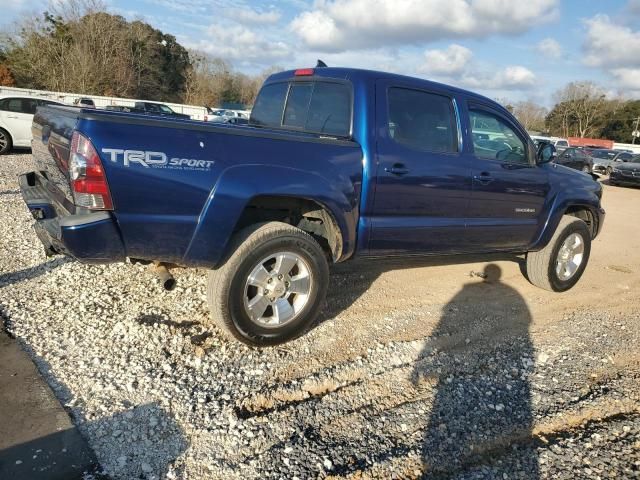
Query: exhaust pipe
x=164 y=275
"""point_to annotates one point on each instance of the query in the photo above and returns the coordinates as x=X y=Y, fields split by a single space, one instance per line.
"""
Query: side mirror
x=546 y=153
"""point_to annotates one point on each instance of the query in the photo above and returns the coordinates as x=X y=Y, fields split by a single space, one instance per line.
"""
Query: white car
x=16 y=115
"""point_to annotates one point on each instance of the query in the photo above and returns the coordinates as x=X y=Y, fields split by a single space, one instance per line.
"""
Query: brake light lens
x=88 y=181
x=303 y=72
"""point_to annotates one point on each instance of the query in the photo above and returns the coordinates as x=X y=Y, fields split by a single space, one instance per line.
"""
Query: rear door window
x=422 y=120
x=19 y=105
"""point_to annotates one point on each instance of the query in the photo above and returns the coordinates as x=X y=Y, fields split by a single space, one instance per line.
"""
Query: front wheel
x=586 y=169
x=271 y=286
x=559 y=265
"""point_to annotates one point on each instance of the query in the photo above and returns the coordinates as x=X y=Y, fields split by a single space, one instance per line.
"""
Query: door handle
x=12 y=116
x=397 y=169
x=484 y=178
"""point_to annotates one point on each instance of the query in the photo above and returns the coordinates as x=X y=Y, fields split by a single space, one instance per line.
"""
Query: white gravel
x=158 y=395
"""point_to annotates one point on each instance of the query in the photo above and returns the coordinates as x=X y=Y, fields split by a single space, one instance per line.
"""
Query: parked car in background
x=221 y=115
x=575 y=158
x=160 y=109
x=84 y=102
x=626 y=173
x=603 y=159
x=16 y=116
x=237 y=121
x=561 y=144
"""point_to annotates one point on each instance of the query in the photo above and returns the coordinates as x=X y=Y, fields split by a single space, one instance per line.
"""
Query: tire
x=229 y=286
x=541 y=266
x=586 y=169
x=5 y=142
x=609 y=171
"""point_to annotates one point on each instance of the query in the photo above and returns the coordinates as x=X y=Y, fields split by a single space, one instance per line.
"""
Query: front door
x=509 y=189
x=423 y=179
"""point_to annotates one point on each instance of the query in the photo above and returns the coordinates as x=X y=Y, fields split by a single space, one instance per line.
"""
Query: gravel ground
x=427 y=371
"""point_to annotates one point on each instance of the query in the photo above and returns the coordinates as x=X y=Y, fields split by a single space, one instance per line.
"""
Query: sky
x=506 y=49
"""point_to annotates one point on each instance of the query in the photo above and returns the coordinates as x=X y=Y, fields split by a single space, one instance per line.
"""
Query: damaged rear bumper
x=90 y=237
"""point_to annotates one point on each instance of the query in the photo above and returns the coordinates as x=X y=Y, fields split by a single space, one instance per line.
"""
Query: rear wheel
x=271 y=287
x=586 y=168
x=559 y=265
x=5 y=142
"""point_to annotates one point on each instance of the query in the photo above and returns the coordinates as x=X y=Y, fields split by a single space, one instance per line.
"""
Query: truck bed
x=183 y=184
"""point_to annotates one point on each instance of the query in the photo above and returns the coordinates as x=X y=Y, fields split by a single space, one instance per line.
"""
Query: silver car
x=604 y=162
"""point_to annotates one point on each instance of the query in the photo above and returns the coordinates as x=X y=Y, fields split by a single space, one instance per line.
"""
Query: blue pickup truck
x=335 y=163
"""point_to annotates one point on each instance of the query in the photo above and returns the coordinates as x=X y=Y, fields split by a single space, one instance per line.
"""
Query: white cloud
x=550 y=48
x=247 y=15
x=359 y=24
x=236 y=42
x=611 y=45
x=455 y=65
x=627 y=78
x=513 y=77
x=451 y=61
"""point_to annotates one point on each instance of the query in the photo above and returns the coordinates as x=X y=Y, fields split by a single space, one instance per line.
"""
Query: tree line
x=581 y=109
x=80 y=47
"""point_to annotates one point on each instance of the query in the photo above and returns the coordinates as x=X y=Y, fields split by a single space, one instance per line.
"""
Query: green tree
x=620 y=126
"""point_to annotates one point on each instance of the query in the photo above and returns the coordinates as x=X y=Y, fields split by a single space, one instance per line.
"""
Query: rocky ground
x=414 y=371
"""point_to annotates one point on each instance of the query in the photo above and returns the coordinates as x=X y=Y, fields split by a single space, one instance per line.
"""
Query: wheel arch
x=326 y=209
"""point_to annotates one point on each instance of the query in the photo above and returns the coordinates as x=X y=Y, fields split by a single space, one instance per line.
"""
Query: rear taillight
x=88 y=181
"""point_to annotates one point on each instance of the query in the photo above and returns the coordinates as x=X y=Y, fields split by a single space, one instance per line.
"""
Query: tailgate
x=51 y=130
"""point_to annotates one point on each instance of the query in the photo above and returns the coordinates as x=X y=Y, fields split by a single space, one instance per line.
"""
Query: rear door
x=17 y=114
x=423 y=179
x=509 y=189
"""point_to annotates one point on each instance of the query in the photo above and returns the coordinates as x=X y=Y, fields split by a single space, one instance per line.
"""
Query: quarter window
x=422 y=120
x=494 y=139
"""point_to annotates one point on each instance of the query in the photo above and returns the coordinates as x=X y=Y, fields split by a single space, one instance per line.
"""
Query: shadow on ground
x=481 y=416
x=11 y=278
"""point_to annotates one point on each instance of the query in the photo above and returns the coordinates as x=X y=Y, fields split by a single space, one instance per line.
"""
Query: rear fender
x=239 y=184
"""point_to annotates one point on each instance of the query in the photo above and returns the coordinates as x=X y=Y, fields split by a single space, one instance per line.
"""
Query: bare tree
x=530 y=114
x=582 y=104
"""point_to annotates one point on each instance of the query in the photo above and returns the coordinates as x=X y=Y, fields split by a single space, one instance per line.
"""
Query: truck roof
x=363 y=75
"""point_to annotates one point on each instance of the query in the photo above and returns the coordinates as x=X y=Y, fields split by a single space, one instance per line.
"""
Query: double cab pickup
x=335 y=163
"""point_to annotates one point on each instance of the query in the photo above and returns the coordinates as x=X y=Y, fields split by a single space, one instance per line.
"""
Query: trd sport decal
x=155 y=159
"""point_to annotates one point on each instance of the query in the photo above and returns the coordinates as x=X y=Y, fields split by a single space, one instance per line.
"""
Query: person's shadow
x=480 y=359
